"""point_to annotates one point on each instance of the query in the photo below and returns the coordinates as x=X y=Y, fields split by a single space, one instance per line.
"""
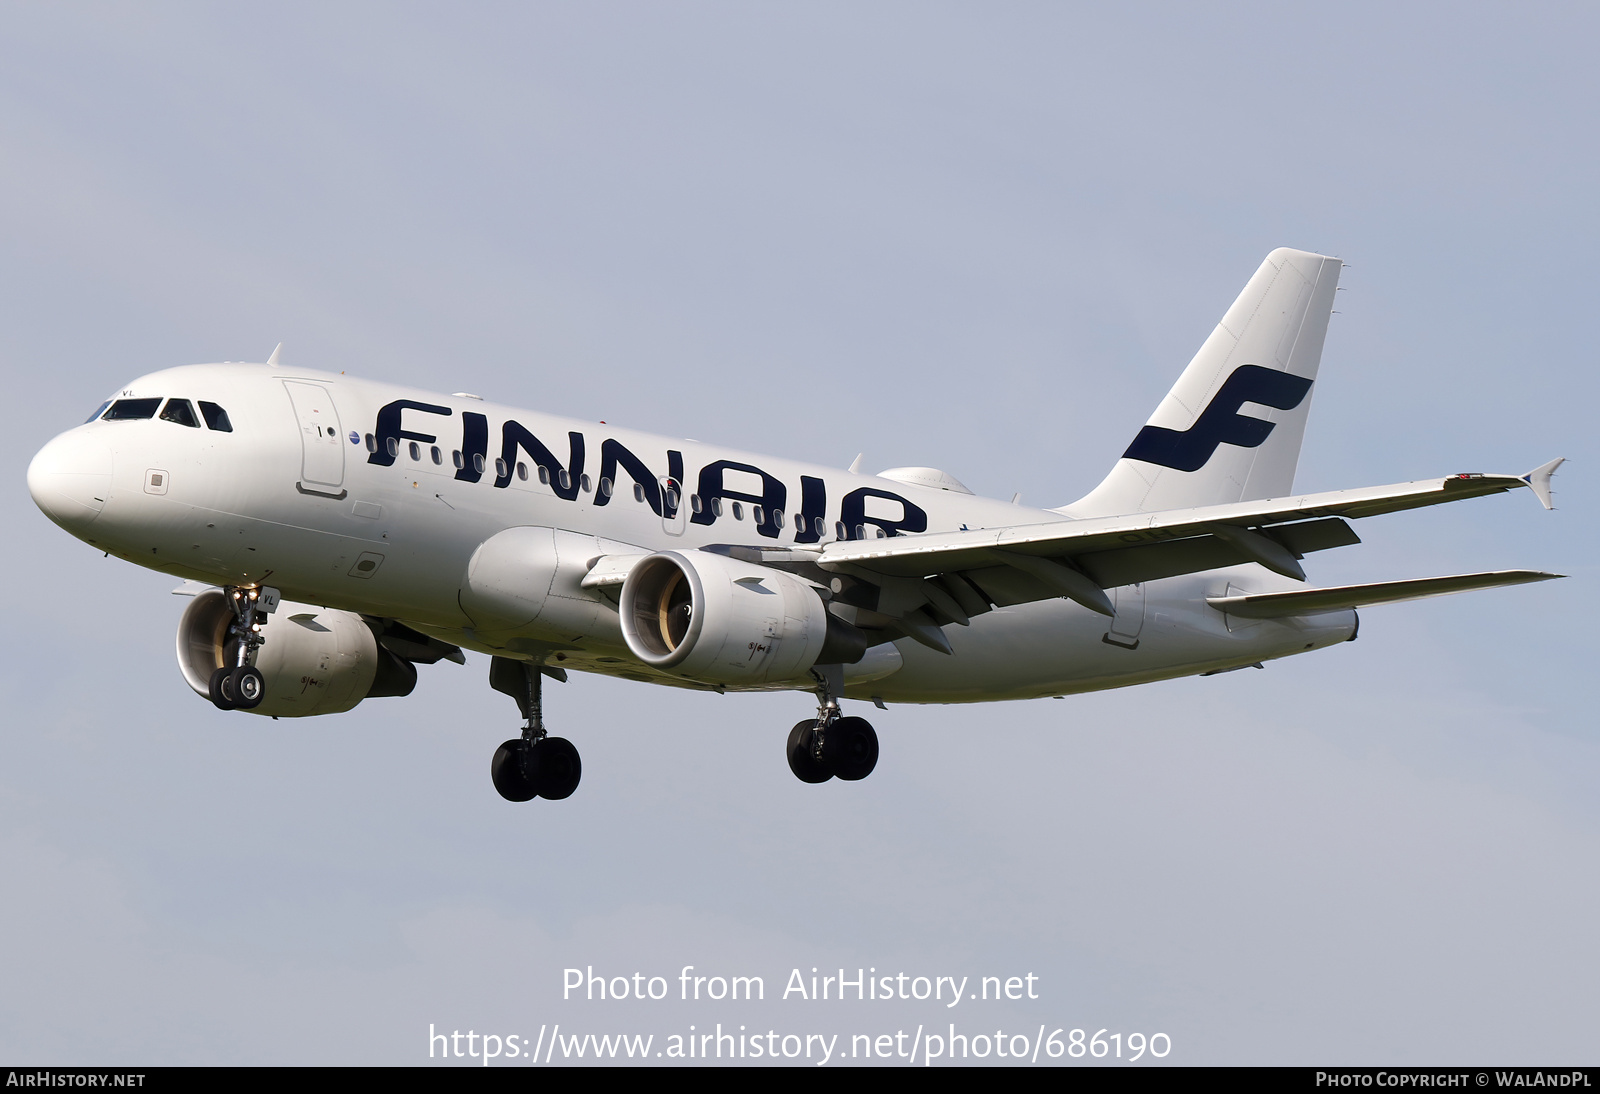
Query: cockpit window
x=130 y=409
x=179 y=410
x=216 y=417
x=97 y=413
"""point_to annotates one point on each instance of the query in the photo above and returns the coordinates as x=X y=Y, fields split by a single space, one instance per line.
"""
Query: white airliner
x=338 y=532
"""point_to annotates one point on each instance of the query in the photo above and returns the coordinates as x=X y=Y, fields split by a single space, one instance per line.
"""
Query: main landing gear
x=241 y=686
x=534 y=765
x=832 y=745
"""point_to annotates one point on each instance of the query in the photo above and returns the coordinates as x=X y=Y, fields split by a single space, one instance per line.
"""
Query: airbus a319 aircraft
x=336 y=533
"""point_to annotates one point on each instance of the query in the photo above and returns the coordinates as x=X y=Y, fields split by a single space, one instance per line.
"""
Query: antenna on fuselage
x=273 y=360
x=855 y=464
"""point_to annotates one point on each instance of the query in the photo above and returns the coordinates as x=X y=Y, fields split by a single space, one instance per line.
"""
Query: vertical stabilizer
x=1230 y=429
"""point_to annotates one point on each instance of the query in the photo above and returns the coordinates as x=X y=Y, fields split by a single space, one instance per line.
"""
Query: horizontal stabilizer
x=1313 y=601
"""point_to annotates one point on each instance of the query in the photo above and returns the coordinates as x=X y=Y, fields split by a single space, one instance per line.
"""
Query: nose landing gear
x=534 y=765
x=241 y=686
x=831 y=745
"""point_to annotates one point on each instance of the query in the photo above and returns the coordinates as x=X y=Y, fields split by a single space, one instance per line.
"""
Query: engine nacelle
x=314 y=660
x=715 y=619
x=529 y=580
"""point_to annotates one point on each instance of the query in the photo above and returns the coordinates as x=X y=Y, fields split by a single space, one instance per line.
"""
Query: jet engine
x=722 y=621
x=314 y=660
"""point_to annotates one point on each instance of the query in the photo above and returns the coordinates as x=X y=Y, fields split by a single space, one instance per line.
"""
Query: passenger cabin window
x=128 y=410
x=97 y=413
x=179 y=410
x=216 y=418
x=416 y=453
x=438 y=457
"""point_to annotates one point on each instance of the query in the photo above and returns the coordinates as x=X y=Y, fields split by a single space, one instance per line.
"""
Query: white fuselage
x=302 y=494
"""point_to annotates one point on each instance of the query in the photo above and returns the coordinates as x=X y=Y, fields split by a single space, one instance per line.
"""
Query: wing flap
x=1154 y=561
x=1341 y=597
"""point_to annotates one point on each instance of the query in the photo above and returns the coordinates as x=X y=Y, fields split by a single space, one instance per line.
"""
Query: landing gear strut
x=241 y=686
x=832 y=744
x=534 y=765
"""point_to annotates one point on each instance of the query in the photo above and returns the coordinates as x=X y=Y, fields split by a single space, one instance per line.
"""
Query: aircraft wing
x=950 y=576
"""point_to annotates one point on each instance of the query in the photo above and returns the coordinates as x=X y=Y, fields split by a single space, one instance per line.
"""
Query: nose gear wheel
x=241 y=686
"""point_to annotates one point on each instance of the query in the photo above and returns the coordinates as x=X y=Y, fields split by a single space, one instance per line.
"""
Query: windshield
x=130 y=409
x=216 y=417
x=179 y=410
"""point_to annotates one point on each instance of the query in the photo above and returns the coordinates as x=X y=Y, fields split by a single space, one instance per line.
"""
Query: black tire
x=247 y=687
x=801 y=762
x=850 y=747
x=220 y=690
x=557 y=768
x=507 y=771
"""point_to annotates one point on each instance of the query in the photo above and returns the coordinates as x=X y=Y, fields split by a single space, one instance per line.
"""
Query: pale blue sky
x=983 y=237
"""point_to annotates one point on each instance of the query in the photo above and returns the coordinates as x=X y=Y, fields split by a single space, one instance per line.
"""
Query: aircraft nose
x=70 y=479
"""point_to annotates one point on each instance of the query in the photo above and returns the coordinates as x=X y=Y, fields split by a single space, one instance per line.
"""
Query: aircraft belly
x=1056 y=647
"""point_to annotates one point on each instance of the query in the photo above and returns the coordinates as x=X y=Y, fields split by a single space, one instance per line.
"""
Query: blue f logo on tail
x=1221 y=422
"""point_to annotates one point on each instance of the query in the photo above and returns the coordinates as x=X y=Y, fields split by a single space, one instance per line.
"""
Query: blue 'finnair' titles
x=663 y=492
x=318 y=582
